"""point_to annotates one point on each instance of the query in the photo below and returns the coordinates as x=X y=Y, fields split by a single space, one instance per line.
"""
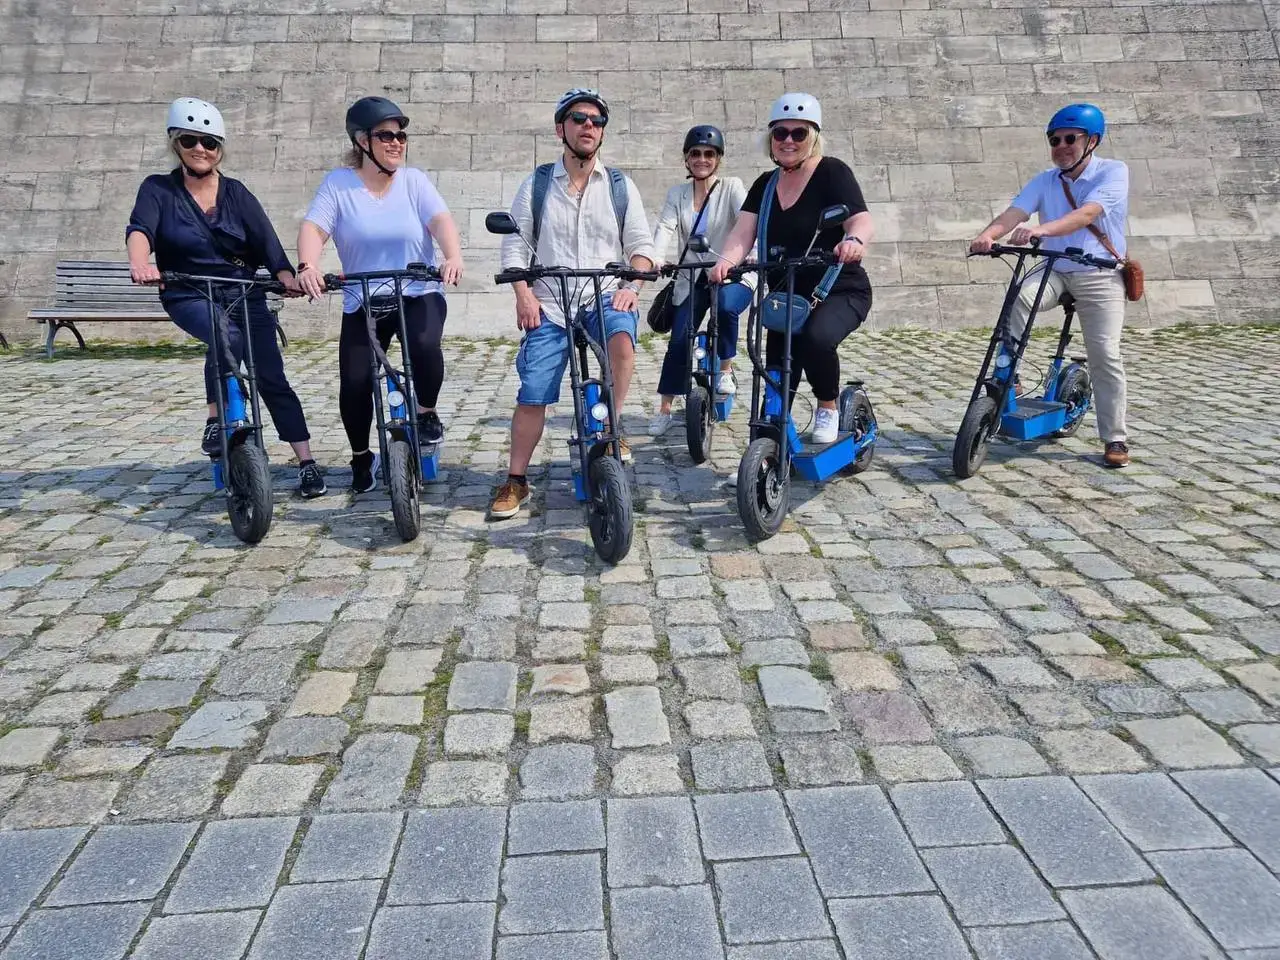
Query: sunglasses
x=595 y=119
x=1067 y=138
x=391 y=136
x=702 y=154
x=798 y=134
x=188 y=141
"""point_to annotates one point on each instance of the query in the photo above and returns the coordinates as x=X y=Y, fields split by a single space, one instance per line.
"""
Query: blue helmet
x=1079 y=116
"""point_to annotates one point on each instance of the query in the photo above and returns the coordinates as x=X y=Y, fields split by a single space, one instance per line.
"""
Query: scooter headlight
x=700 y=353
x=600 y=411
x=1003 y=360
x=395 y=398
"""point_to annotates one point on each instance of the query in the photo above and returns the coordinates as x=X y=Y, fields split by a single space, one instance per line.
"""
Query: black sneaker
x=311 y=481
x=364 y=472
x=210 y=442
x=430 y=429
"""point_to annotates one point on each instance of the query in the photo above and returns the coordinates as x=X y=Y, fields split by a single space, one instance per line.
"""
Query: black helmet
x=367 y=112
x=704 y=135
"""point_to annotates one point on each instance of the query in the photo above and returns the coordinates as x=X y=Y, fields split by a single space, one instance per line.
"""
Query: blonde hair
x=814 y=151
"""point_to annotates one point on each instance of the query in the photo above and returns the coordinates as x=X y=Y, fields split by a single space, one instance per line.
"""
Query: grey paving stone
x=726 y=766
x=235 y=865
x=298 y=737
x=1183 y=742
x=997 y=756
x=61 y=803
x=455 y=931
x=272 y=788
x=451 y=782
x=737 y=826
x=101 y=932
x=555 y=827
x=1035 y=941
x=652 y=840
x=1138 y=923
x=483 y=686
x=818 y=762
x=855 y=843
x=1224 y=706
x=713 y=679
x=990 y=885
x=1231 y=893
x=374 y=771
x=123 y=863
x=447 y=856
x=553 y=893
x=1091 y=751
x=1262 y=739
x=945 y=814
x=635 y=717
x=1140 y=700
x=590 y=945
x=888 y=718
x=791 y=950
x=31 y=858
x=317 y=921
x=558 y=772
x=960 y=705
x=1246 y=802
x=766 y=900
x=206 y=936
x=897 y=928
x=1152 y=812
x=1065 y=835
x=347 y=846
x=228 y=724
x=673 y=923
x=266 y=674
x=790 y=688
x=148 y=695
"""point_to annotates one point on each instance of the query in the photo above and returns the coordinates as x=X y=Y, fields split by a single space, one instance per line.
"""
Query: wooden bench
x=101 y=291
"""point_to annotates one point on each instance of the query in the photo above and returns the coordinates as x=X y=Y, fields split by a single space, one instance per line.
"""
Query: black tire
x=610 y=521
x=1074 y=389
x=857 y=417
x=249 y=504
x=404 y=490
x=764 y=491
x=974 y=438
x=699 y=422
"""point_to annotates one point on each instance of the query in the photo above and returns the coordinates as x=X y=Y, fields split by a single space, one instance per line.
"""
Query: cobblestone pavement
x=1029 y=715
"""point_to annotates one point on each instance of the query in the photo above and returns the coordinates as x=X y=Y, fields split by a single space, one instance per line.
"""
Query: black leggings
x=813 y=350
x=424 y=319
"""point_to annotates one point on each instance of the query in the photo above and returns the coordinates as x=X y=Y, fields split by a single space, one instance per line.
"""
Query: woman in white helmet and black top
x=196 y=220
x=382 y=215
x=807 y=183
x=709 y=205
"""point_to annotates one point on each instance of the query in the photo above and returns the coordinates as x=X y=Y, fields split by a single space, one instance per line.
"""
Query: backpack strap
x=618 y=193
x=541 y=184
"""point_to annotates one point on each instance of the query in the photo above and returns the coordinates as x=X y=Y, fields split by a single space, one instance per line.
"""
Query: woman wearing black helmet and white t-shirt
x=710 y=204
x=807 y=183
x=382 y=215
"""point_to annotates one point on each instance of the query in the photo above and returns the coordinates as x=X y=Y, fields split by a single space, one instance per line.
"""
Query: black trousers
x=814 y=349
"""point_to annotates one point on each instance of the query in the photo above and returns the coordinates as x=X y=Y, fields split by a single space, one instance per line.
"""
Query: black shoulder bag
x=662 y=312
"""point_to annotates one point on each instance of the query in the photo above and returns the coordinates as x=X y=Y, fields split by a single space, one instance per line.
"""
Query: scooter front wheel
x=700 y=418
x=404 y=490
x=764 y=489
x=1075 y=390
x=610 y=521
x=249 y=502
x=974 y=438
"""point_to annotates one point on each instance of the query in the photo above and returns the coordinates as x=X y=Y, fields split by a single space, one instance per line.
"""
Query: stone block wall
x=939 y=106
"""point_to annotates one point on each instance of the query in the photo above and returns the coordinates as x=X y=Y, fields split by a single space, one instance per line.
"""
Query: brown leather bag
x=1130 y=269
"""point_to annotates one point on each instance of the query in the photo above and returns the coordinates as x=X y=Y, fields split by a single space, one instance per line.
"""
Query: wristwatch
x=855 y=239
x=302 y=267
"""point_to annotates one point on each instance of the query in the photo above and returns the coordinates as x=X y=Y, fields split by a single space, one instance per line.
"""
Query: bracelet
x=855 y=239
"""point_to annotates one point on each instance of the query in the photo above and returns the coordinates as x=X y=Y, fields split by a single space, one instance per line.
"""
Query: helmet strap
x=197 y=176
x=1088 y=152
x=583 y=158
x=369 y=153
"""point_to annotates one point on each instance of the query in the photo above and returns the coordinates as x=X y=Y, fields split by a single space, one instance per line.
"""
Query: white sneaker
x=726 y=385
x=826 y=425
x=660 y=424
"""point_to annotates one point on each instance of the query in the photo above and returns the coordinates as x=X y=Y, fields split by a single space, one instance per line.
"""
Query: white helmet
x=188 y=113
x=796 y=106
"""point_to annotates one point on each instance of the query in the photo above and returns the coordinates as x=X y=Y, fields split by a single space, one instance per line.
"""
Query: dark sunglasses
x=595 y=119
x=1067 y=138
x=391 y=136
x=798 y=134
x=188 y=141
x=702 y=154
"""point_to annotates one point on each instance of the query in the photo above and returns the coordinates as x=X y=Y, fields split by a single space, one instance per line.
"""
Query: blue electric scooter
x=995 y=406
x=407 y=462
x=240 y=467
x=775 y=448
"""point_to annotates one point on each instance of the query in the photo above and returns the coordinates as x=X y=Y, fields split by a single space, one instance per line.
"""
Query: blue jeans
x=734 y=299
x=191 y=314
x=544 y=352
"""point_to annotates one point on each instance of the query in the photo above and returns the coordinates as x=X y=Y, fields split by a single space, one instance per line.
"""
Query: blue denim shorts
x=544 y=352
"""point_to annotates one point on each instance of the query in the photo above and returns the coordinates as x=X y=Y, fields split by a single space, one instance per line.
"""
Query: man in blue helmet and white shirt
x=1100 y=191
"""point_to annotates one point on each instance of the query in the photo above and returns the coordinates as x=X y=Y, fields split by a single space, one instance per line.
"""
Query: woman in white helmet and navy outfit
x=382 y=215
x=807 y=182
x=196 y=220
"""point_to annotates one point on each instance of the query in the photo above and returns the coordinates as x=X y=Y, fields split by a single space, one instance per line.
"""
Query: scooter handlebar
x=414 y=273
x=1074 y=254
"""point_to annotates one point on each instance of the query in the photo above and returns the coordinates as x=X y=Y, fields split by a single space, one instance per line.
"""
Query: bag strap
x=823 y=289
x=1093 y=228
x=201 y=219
x=542 y=176
x=697 y=219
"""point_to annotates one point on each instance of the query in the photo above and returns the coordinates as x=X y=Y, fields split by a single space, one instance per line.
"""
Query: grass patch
x=750 y=674
x=522 y=723
x=113 y=620
x=120 y=350
x=820 y=667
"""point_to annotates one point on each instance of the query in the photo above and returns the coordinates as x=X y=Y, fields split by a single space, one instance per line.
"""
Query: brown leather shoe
x=1117 y=454
x=511 y=496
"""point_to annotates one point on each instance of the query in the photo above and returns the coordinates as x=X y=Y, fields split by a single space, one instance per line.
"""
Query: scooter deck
x=1033 y=418
x=817 y=463
x=431 y=461
x=723 y=406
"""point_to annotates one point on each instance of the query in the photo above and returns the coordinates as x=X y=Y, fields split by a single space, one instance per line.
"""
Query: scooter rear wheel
x=699 y=422
x=764 y=490
x=1074 y=389
x=857 y=417
x=610 y=521
x=404 y=490
x=249 y=503
x=974 y=438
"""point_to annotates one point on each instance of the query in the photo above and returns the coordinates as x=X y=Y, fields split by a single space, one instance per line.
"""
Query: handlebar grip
x=510 y=276
x=332 y=282
x=1106 y=263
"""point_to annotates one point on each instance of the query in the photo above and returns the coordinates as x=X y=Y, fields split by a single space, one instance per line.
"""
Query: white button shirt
x=578 y=232
x=1104 y=182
